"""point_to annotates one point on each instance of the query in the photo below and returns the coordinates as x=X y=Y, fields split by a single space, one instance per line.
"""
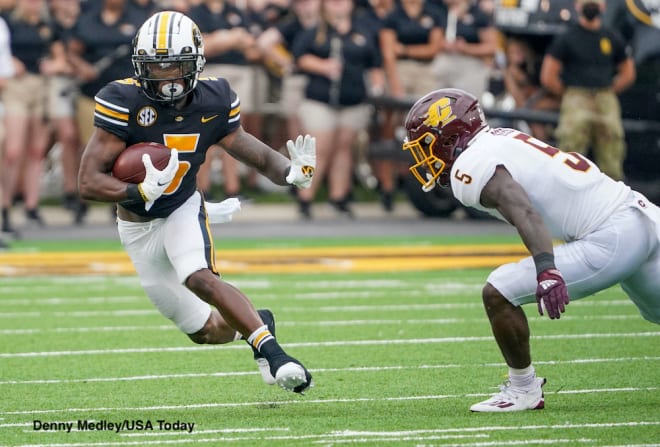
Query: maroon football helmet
x=439 y=127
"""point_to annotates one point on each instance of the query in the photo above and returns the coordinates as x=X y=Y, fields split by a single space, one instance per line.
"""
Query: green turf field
x=397 y=360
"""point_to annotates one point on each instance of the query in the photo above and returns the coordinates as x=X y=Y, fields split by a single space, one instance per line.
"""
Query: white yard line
x=361 y=308
x=326 y=441
x=316 y=370
x=326 y=323
x=192 y=348
x=307 y=401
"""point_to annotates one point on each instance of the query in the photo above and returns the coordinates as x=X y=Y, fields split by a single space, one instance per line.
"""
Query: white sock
x=522 y=378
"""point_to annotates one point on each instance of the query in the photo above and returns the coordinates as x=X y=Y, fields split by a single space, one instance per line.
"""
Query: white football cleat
x=511 y=399
x=293 y=377
x=264 y=369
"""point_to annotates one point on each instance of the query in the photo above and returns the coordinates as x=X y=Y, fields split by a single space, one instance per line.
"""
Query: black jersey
x=30 y=43
x=589 y=58
x=213 y=113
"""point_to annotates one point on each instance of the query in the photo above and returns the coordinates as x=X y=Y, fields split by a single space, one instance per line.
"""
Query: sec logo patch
x=146 y=116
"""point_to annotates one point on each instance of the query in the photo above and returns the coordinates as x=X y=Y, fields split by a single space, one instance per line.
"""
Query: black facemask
x=590 y=11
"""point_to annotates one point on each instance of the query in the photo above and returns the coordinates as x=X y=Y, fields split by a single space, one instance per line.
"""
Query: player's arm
x=250 y=150
x=506 y=195
x=94 y=179
x=280 y=170
x=625 y=77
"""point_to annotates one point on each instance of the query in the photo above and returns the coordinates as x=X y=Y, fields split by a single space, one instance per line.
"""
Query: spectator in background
x=522 y=82
x=261 y=15
x=61 y=110
x=98 y=49
x=36 y=56
x=638 y=21
x=410 y=39
x=144 y=8
x=337 y=55
x=469 y=48
x=275 y=44
x=6 y=72
x=589 y=76
x=383 y=147
x=6 y=6
x=230 y=48
x=175 y=5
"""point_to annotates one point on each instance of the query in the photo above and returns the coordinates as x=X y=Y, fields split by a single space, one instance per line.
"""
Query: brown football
x=128 y=166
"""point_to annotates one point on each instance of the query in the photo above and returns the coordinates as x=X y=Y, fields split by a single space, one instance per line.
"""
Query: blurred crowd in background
x=298 y=66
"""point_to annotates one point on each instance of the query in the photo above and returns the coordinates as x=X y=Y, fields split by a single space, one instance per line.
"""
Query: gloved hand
x=222 y=212
x=551 y=293
x=303 y=161
x=155 y=181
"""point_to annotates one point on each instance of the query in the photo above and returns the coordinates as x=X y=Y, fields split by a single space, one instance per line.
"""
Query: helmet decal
x=440 y=113
x=163 y=35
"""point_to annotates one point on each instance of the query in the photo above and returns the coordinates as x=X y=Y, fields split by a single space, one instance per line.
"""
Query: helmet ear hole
x=450 y=141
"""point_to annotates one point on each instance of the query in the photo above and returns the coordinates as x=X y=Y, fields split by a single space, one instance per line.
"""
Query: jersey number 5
x=571 y=159
x=182 y=143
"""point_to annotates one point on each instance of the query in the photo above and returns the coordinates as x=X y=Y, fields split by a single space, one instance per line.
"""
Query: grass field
x=397 y=360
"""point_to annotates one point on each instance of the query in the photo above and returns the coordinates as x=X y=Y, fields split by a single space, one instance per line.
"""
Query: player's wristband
x=544 y=261
x=134 y=194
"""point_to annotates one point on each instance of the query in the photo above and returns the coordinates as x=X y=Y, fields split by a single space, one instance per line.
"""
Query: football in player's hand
x=129 y=167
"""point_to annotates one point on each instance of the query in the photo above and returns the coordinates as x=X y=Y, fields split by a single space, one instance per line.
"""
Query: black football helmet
x=168 y=40
x=439 y=127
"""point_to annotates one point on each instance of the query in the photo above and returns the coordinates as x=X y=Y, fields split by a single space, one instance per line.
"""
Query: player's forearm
x=101 y=187
x=253 y=152
x=534 y=233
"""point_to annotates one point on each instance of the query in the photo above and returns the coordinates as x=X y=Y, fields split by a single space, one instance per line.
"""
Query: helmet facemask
x=181 y=78
x=427 y=168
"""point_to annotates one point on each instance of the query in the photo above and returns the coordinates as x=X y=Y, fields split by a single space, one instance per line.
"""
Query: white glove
x=222 y=212
x=303 y=161
x=156 y=182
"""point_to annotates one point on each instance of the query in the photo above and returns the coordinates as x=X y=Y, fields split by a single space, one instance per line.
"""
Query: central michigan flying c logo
x=440 y=113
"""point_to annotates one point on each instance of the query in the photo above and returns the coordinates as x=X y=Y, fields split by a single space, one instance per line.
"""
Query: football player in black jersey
x=163 y=221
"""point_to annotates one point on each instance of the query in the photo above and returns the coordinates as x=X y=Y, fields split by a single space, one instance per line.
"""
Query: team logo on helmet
x=440 y=113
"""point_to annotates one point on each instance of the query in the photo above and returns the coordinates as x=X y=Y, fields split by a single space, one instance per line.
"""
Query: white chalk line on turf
x=323 y=344
x=307 y=401
x=58 y=301
x=404 y=433
x=379 y=368
x=62 y=330
x=325 y=323
x=81 y=313
x=361 y=308
x=544 y=441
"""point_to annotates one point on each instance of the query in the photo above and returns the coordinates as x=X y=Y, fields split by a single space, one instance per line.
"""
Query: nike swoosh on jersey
x=206 y=119
x=161 y=184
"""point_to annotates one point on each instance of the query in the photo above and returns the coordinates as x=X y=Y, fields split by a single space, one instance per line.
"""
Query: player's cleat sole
x=511 y=399
x=293 y=377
